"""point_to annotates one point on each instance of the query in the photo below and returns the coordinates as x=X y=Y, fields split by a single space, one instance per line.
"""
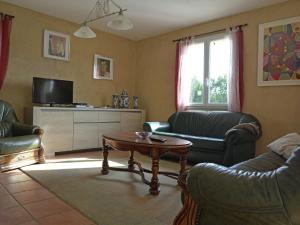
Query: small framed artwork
x=56 y=45
x=103 y=68
x=279 y=53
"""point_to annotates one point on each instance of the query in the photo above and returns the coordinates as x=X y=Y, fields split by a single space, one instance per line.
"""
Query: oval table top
x=131 y=137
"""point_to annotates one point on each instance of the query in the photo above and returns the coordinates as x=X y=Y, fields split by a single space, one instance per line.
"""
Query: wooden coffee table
x=128 y=141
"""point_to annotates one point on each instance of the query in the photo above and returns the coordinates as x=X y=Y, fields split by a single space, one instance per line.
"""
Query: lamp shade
x=85 y=32
x=120 y=22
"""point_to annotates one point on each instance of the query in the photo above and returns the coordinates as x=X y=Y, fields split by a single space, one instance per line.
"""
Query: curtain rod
x=212 y=32
x=4 y=14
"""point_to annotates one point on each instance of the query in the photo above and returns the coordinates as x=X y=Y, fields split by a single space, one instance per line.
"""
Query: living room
x=144 y=64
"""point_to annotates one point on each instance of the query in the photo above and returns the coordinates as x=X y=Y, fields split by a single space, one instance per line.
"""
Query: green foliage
x=217 y=91
x=196 y=95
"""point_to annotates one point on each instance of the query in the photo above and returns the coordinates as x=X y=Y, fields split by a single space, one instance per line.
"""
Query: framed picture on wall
x=56 y=45
x=103 y=68
x=279 y=53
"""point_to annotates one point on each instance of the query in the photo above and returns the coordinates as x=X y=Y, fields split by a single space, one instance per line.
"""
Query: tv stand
x=61 y=105
x=70 y=129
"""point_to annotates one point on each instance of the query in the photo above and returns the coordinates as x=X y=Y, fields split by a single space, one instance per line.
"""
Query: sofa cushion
x=199 y=143
x=18 y=144
x=203 y=123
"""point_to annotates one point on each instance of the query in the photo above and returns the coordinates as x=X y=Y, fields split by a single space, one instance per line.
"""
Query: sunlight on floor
x=60 y=165
x=54 y=160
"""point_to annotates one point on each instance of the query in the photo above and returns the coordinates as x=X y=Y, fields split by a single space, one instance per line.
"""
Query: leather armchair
x=261 y=191
x=213 y=134
x=20 y=144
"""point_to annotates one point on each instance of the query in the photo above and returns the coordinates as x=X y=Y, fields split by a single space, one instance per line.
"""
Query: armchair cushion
x=5 y=129
x=267 y=161
x=245 y=191
x=10 y=145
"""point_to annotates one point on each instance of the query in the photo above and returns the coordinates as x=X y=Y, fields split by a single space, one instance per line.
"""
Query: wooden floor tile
x=71 y=218
x=22 y=186
x=14 y=216
x=26 y=197
x=46 y=207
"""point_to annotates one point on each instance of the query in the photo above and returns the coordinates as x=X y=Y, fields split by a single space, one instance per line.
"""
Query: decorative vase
x=135 y=102
x=124 y=99
x=115 y=101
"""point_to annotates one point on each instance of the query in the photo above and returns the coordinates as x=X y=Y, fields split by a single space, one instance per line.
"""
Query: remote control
x=158 y=139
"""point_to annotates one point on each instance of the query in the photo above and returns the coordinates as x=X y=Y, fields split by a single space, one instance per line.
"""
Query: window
x=207 y=66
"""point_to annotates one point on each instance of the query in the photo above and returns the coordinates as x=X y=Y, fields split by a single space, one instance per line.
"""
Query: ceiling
x=150 y=17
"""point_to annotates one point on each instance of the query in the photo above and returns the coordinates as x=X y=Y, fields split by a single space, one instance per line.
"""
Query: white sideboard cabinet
x=67 y=129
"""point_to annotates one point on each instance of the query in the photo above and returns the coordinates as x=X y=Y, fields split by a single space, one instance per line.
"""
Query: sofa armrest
x=157 y=126
x=233 y=189
x=19 y=129
x=238 y=135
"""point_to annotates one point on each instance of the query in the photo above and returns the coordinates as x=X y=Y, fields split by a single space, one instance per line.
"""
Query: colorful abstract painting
x=279 y=53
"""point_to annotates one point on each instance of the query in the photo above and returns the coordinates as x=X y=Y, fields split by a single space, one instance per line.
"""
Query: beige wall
x=26 y=60
x=278 y=108
x=144 y=68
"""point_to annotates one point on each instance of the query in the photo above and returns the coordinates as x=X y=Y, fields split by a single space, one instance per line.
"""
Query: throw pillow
x=285 y=145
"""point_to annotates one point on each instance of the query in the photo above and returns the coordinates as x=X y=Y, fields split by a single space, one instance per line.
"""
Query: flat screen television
x=50 y=91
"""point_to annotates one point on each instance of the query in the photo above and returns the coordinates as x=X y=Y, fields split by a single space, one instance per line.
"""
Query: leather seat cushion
x=5 y=129
x=18 y=144
x=268 y=161
x=199 y=143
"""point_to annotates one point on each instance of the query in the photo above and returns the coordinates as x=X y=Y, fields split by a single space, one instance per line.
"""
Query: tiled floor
x=24 y=202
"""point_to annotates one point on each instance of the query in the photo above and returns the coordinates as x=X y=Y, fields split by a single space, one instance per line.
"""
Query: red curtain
x=5 y=29
x=236 y=77
x=180 y=95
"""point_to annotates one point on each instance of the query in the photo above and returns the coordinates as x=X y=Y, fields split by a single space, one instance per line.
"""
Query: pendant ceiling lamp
x=102 y=9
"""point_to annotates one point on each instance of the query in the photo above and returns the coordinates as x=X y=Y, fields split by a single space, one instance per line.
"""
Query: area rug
x=119 y=198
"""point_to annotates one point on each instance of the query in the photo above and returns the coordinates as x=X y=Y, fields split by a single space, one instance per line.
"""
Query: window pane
x=195 y=71
x=219 y=65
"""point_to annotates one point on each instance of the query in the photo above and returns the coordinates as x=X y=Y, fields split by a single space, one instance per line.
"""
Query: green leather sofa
x=212 y=134
x=261 y=191
x=20 y=144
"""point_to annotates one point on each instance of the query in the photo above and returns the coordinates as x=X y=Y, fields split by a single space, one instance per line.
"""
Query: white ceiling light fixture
x=101 y=10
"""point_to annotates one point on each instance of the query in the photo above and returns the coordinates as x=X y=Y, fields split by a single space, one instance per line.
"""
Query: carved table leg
x=182 y=166
x=154 y=185
x=105 y=166
x=131 y=161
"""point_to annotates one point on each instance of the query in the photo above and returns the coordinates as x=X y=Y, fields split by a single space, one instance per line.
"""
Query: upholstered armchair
x=260 y=191
x=20 y=144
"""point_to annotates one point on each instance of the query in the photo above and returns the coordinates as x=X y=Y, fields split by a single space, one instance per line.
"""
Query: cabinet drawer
x=131 y=121
x=109 y=117
x=85 y=116
x=85 y=135
x=58 y=131
x=105 y=128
